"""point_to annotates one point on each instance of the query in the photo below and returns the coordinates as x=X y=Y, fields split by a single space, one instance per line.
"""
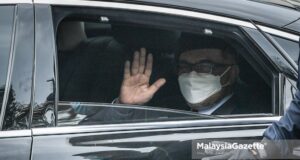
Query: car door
x=17 y=60
x=61 y=130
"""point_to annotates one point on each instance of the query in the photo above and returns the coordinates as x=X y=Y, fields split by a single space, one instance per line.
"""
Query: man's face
x=212 y=61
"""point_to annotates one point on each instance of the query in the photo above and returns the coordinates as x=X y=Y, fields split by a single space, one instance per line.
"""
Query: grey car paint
x=16 y=145
x=130 y=143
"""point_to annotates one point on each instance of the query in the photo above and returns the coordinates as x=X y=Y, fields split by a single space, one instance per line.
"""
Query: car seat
x=88 y=67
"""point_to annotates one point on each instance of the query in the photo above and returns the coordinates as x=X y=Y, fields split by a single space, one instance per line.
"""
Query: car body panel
x=140 y=140
x=175 y=143
x=15 y=145
x=132 y=141
x=295 y=26
x=262 y=13
x=45 y=80
x=16 y=148
x=22 y=71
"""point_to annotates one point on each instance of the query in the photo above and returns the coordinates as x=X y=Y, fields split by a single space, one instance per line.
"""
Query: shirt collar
x=209 y=110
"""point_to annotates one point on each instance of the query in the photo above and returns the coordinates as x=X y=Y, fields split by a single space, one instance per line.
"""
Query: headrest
x=69 y=35
x=150 y=38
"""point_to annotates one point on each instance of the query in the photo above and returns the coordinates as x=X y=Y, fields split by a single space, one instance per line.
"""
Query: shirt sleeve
x=288 y=127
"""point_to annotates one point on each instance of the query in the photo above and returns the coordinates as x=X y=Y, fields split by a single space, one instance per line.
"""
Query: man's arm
x=288 y=127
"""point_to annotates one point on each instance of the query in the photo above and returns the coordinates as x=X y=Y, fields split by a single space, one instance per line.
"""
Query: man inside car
x=206 y=78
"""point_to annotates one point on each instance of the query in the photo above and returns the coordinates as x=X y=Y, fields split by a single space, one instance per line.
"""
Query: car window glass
x=291 y=47
x=6 y=27
x=18 y=107
x=91 y=67
x=44 y=91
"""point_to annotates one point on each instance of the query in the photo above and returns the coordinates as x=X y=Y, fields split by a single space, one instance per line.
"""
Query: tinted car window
x=44 y=93
x=91 y=68
x=6 y=29
x=18 y=105
x=291 y=47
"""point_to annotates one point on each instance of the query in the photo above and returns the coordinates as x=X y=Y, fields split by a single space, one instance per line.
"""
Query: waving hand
x=135 y=87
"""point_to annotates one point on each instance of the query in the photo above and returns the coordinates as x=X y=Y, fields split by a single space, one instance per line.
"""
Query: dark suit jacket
x=245 y=100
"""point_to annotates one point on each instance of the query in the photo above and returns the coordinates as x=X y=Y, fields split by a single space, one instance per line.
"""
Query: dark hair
x=190 y=41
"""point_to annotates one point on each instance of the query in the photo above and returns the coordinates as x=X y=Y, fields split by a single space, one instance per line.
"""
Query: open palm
x=135 y=88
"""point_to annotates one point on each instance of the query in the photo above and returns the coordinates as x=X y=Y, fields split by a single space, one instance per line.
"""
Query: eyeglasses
x=204 y=67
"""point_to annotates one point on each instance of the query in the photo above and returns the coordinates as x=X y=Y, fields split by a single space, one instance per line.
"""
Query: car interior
x=91 y=58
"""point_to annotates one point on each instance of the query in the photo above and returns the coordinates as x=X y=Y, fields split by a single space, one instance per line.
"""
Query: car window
x=17 y=109
x=291 y=47
x=93 y=84
x=6 y=29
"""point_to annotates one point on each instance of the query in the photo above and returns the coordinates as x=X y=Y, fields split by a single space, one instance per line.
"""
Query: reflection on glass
x=6 y=26
x=76 y=113
x=291 y=47
x=18 y=107
x=43 y=111
x=155 y=145
x=16 y=115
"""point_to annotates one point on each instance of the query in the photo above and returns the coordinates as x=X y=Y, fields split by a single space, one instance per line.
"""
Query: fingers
x=142 y=60
x=149 y=64
x=127 y=70
x=156 y=85
x=135 y=63
x=139 y=64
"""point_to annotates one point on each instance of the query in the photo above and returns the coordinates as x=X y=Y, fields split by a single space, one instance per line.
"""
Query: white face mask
x=197 y=87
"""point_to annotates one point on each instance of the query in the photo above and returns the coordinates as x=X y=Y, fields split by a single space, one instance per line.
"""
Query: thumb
x=156 y=85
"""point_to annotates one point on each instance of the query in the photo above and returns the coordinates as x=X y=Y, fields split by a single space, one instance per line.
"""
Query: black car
x=61 y=65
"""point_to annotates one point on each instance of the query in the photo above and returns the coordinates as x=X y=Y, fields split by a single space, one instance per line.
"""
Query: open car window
x=92 y=50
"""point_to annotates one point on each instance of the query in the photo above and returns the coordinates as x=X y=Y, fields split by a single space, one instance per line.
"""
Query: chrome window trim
x=177 y=136
x=14 y=134
x=10 y=67
x=15 y=1
x=175 y=125
x=170 y=11
x=279 y=33
x=136 y=107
